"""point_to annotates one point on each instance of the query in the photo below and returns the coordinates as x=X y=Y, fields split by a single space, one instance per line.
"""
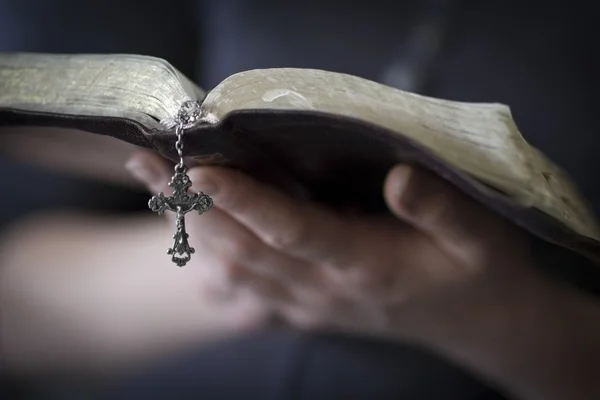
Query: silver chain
x=188 y=113
x=180 y=167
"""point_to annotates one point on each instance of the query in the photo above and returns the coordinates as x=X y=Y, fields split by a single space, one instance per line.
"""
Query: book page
x=481 y=140
x=145 y=89
x=566 y=199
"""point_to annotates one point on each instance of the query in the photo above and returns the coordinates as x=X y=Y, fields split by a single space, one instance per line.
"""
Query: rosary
x=181 y=201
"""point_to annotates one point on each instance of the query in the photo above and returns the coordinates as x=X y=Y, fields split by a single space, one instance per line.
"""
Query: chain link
x=188 y=113
x=180 y=167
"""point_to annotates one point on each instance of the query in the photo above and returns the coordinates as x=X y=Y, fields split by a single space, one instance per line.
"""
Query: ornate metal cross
x=181 y=202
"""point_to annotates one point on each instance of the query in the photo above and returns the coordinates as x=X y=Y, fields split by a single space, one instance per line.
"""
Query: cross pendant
x=180 y=202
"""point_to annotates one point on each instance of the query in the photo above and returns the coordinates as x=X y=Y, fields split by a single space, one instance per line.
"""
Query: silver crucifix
x=181 y=201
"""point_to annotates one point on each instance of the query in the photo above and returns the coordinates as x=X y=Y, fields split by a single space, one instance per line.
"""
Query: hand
x=446 y=274
x=444 y=260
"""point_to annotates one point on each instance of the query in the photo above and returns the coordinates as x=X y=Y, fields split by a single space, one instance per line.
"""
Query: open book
x=335 y=134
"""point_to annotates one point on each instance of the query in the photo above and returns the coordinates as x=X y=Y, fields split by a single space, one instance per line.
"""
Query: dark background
x=539 y=57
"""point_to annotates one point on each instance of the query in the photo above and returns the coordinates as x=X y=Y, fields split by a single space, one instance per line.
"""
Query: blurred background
x=539 y=57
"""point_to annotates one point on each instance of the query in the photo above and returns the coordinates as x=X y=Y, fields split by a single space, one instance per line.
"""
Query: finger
x=150 y=169
x=298 y=229
x=391 y=262
x=461 y=226
x=249 y=264
x=360 y=252
x=223 y=238
x=155 y=173
x=271 y=292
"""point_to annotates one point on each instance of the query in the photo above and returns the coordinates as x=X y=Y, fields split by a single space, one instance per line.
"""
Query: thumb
x=150 y=169
x=463 y=228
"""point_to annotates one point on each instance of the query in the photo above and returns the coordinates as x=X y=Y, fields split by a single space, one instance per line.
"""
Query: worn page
x=141 y=88
x=481 y=140
x=565 y=201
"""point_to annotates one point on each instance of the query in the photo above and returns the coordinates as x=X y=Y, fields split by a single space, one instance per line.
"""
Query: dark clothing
x=292 y=366
x=535 y=57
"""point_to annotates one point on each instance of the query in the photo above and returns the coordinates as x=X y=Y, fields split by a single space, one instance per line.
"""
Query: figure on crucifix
x=181 y=202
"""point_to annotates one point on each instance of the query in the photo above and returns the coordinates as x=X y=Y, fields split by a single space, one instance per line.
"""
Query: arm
x=88 y=294
x=539 y=341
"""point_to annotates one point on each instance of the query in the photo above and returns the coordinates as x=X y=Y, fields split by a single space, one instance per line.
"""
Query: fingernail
x=401 y=178
x=142 y=171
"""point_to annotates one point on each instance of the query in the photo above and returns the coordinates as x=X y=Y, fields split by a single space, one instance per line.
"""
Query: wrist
x=486 y=309
x=531 y=336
